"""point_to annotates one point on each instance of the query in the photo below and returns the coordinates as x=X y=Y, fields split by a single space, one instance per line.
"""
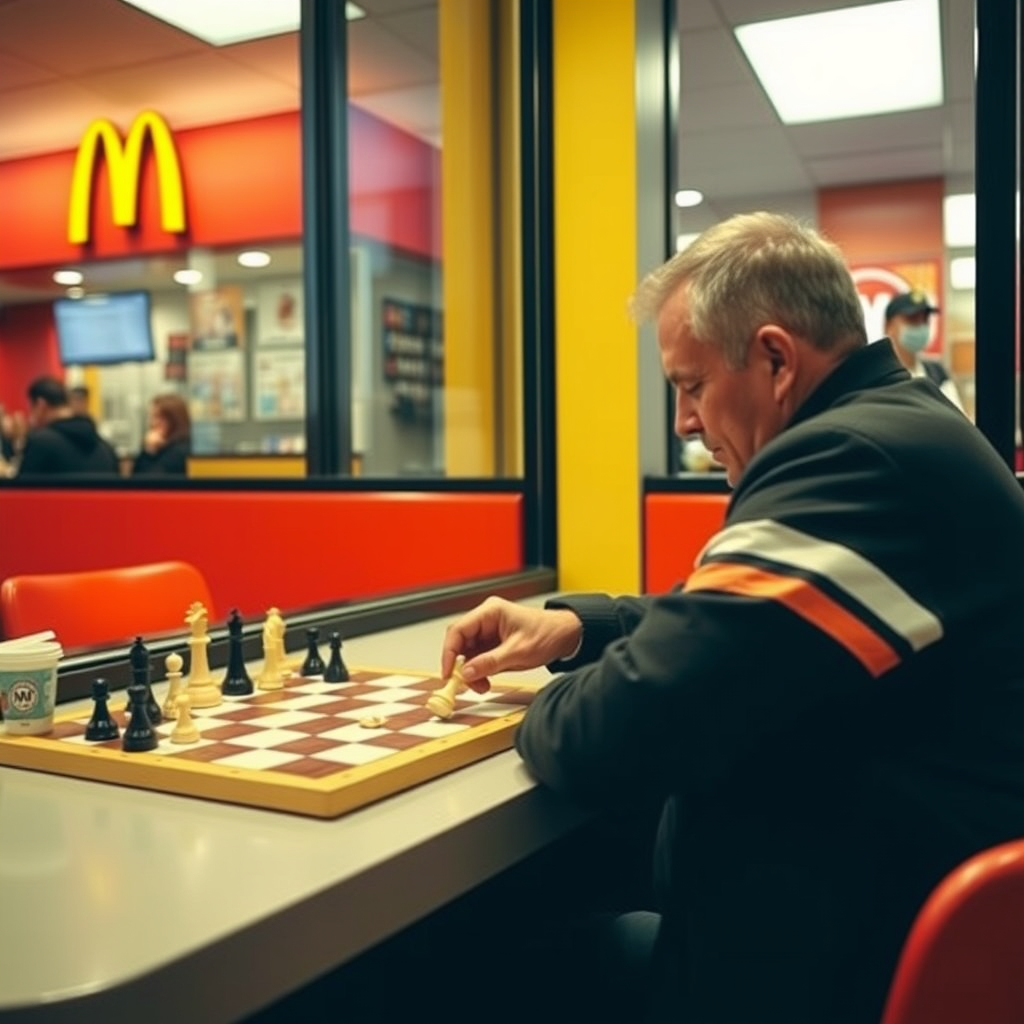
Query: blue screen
x=104 y=329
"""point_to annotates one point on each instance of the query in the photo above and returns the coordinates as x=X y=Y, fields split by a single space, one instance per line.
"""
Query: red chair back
x=963 y=961
x=102 y=606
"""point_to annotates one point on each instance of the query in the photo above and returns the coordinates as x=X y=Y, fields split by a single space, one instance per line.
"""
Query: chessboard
x=312 y=747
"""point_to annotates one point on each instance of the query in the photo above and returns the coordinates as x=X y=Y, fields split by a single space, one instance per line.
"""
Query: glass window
x=434 y=344
x=895 y=189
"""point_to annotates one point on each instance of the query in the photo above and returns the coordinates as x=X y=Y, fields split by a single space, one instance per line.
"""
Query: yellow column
x=467 y=199
x=596 y=260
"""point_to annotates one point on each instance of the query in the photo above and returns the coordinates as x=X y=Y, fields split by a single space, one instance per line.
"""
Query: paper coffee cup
x=28 y=686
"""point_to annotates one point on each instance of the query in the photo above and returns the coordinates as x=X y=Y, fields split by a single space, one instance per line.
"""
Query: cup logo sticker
x=24 y=696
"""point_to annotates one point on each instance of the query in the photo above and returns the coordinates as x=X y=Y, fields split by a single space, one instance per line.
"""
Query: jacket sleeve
x=763 y=647
x=604 y=619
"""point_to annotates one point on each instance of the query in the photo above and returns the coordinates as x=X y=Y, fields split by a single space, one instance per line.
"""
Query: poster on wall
x=176 y=367
x=280 y=318
x=413 y=357
x=279 y=384
x=217 y=385
x=879 y=283
x=217 y=318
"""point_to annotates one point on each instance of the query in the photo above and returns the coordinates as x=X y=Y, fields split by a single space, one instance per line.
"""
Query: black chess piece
x=314 y=664
x=102 y=725
x=237 y=682
x=139 y=658
x=336 y=672
x=139 y=734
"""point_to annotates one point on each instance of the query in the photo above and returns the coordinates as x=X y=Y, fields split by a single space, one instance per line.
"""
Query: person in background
x=13 y=429
x=829 y=722
x=78 y=400
x=168 y=440
x=59 y=440
x=907 y=326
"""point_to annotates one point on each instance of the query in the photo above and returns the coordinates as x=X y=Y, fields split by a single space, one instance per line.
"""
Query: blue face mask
x=914 y=337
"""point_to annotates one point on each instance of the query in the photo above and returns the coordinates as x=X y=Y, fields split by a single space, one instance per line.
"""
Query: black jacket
x=171 y=460
x=831 y=709
x=68 y=445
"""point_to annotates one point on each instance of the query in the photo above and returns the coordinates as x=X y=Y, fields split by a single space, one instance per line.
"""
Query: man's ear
x=776 y=349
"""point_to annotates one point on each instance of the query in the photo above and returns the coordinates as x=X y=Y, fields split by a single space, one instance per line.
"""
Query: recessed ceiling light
x=188 y=276
x=958 y=220
x=68 y=277
x=253 y=258
x=962 y=272
x=685 y=240
x=75 y=292
x=817 y=67
x=222 y=23
x=689 y=197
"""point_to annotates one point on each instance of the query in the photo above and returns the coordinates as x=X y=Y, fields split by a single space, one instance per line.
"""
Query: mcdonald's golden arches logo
x=124 y=163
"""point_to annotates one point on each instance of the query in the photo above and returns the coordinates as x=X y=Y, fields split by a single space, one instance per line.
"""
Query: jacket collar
x=868 y=367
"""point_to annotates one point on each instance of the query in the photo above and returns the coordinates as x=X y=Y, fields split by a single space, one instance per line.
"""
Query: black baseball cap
x=909 y=304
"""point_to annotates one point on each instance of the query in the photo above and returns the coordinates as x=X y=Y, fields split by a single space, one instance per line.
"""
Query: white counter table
x=122 y=904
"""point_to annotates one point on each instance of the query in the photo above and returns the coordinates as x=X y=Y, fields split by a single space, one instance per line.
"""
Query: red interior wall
x=259 y=548
x=28 y=349
x=242 y=183
x=676 y=527
x=890 y=222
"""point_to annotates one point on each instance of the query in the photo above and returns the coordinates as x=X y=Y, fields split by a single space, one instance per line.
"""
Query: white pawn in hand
x=442 y=702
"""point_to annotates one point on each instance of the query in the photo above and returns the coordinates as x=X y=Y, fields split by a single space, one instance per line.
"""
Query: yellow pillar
x=467 y=198
x=596 y=260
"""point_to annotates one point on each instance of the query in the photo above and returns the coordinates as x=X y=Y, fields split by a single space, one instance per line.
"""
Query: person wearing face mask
x=906 y=323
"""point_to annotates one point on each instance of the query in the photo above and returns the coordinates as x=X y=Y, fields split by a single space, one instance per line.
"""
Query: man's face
x=38 y=413
x=735 y=412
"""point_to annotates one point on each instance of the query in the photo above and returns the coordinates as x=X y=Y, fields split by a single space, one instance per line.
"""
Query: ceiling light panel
x=853 y=62
x=224 y=23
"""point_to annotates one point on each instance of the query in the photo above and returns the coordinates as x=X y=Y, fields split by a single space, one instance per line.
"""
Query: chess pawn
x=314 y=664
x=442 y=702
x=175 y=683
x=102 y=725
x=139 y=734
x=185 y=730
x=336 y=672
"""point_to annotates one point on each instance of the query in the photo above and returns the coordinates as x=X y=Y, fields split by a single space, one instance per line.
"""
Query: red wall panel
x=676 y=528
x=259 y=548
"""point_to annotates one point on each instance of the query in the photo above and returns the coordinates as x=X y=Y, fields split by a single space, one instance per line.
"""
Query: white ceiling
x=65 y=62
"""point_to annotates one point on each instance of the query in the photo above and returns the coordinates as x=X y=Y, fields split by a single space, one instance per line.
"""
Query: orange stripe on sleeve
x=807 y=601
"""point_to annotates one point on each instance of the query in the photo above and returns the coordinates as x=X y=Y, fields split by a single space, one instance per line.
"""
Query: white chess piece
x=185 y=730
x=442 y=702
x=273 y=673
x=203 y=690
x=174 y=685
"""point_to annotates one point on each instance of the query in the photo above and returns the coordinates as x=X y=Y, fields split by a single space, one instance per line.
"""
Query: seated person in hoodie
x=59 y=440
x=166 y=445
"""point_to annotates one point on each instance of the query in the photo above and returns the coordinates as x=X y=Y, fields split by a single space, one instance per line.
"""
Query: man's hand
x=501 y=636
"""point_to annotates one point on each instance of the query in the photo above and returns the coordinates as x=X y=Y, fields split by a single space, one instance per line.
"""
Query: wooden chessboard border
x=328 y=797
